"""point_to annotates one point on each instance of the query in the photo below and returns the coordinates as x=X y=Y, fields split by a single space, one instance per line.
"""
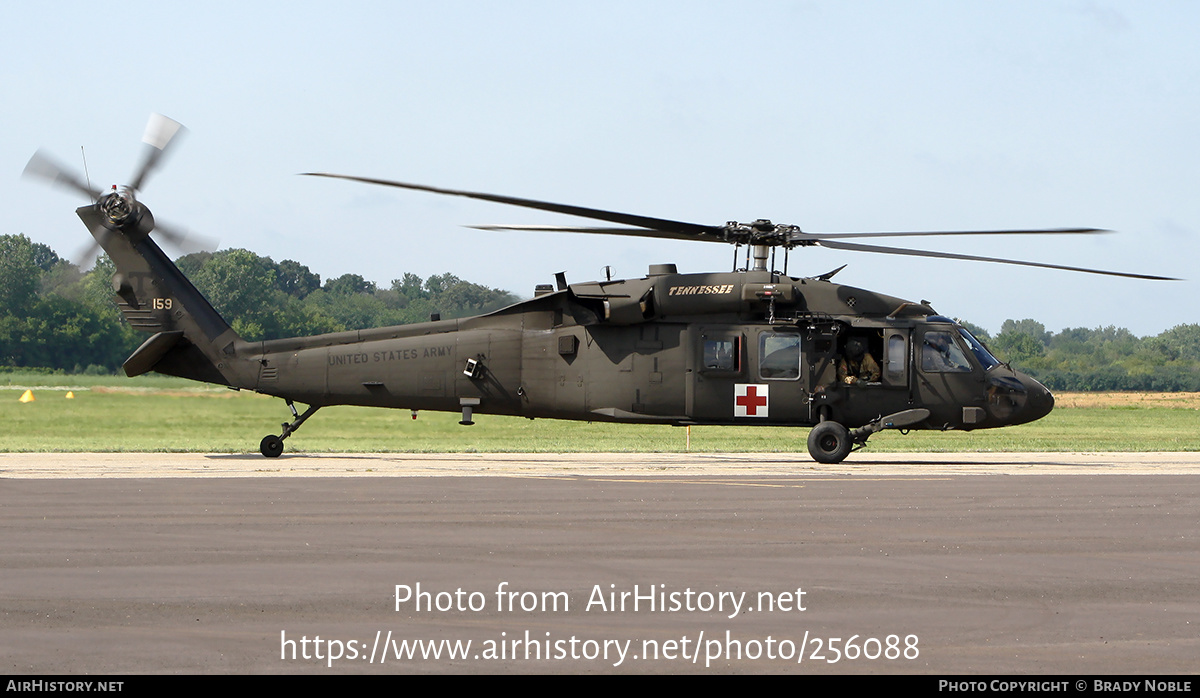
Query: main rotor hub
x=761 y=232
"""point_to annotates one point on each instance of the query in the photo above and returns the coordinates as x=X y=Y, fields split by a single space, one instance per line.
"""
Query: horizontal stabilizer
x=151 y=352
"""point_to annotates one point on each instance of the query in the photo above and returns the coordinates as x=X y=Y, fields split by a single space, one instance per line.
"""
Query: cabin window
x=779 y=356
x=723 y=354
x=896 y=359
x=940 y=354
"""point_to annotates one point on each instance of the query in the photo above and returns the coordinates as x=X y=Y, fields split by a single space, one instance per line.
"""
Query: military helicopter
x=749 y=346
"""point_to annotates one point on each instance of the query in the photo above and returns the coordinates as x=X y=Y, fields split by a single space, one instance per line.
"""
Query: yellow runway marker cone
x=27 y=396
x=70 y=395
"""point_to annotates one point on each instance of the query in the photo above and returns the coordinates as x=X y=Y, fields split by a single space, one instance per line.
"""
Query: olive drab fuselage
x=726 y=348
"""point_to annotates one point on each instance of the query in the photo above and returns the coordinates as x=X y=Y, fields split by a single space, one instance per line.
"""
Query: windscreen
x=981 y=353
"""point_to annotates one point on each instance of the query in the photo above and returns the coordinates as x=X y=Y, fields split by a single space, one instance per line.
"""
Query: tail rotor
x=123 y=212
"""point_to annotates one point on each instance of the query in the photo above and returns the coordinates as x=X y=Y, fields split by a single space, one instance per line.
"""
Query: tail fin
x=190 y=339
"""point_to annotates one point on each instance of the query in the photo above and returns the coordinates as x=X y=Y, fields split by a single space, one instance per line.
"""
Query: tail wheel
x=829 y=442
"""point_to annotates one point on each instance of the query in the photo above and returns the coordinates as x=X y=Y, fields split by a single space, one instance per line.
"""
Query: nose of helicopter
x=1039 y=402
x=1016 y=398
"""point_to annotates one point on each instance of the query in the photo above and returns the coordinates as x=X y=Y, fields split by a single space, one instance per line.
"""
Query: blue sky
x=834 y=116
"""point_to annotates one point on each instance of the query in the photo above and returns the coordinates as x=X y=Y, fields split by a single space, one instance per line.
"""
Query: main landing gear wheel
x=271 y=446
x=829 y=442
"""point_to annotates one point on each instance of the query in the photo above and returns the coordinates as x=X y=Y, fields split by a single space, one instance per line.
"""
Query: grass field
x=160 y=413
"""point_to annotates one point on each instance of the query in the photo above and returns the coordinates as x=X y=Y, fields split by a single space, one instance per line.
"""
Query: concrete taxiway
x=117 y=465
x=896 y=563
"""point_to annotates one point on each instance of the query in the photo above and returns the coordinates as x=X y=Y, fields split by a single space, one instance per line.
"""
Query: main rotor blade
x=160 y=132
x=43 y=167
x=647 y=226
x=685 y=231
x=804 y=236
x=795 y=237
x=855 y=247
x=595 y=230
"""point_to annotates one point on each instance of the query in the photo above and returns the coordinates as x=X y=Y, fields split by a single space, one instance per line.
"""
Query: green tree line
x=53 y=315
x=1104 y=358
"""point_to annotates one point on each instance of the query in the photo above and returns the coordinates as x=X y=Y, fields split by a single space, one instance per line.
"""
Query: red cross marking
x=751 y=400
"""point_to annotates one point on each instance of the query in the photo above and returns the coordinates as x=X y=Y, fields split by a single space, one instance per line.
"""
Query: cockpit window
x=981 y=353
x=940 y=354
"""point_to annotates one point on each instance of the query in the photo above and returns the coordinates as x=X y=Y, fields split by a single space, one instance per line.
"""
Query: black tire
x=829 y=442
x=271 y=446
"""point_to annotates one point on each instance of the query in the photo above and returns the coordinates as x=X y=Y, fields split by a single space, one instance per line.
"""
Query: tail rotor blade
x=161 y=131
x=185 y=241
x=86 y=256
x=43 y=167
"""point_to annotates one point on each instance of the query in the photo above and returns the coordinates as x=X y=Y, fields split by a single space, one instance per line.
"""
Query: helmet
x=855 y=347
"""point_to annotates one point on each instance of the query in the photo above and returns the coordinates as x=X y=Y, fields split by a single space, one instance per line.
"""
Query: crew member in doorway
x=857 y=366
